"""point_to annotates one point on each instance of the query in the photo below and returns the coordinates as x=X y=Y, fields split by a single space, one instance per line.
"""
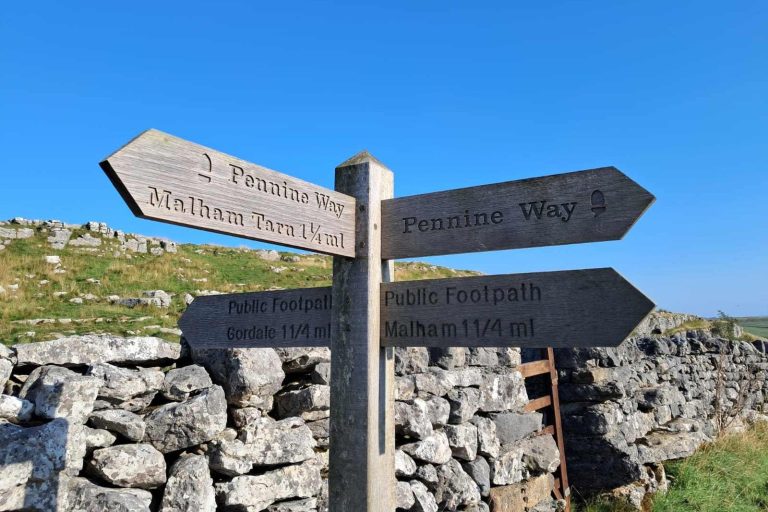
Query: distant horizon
x=255 y=246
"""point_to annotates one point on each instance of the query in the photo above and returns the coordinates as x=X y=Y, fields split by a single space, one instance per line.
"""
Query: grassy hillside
x=37 y=302
x=757 y=325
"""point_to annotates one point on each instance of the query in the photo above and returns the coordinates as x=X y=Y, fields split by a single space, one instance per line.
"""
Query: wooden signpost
x=285 y=318
x=165 y=178
x=573 y=308
x=363 y=316
x=571 y=208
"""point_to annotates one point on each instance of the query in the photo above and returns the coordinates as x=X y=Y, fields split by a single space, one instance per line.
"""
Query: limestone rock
x=409 y=360
x=404 y=496
x=413 y=419
x=311 y=403
x=427 y=474
x=448 y=358
x=189 y=486
x=180 y=425
x=462 y=440
x=305 y=505
x=404 y=464
x=521 y=496
x=511 y=427
x=661 y=446
x=180 y=382
x=85 y=496
x=438 y=410
x=250 y=376
x=508 y=467
x=258 y=492
x=59 y=238
x=34 y=460
x=96 y=348
x=504 y=391
x=60 y=393
x=86 y=240
x=464 y=404
x=480 y=472
x=455 y=488
x=434 y=449
x=433 y=383
x=97 y=438
x=120 y=384
x=156 y=298
x=424 y=501
x=303 y=359
x=6 y=368
x=245 y=416
x=267 y=255
x=487 y=440
x=540 y=454
x=15 y=409
x=266 y=442
x=129 y=465
x=127 y=424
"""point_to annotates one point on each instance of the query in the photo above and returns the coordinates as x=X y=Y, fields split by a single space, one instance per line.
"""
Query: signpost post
x=364 y=315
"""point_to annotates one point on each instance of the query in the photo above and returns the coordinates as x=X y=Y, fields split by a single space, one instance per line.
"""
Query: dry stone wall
x=94 y=423
x=652 y=399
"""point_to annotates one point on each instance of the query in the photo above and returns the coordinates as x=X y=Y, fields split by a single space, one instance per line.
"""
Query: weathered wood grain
x=285 y=318
x=362 y=460
x=585 y=206
x=165 y=178
x=574 y=308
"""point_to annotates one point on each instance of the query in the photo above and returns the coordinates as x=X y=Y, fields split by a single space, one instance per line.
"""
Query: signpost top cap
x=361 y=158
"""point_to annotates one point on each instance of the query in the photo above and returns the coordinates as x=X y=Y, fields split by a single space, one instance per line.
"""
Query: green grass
x=193 y=267
x=757 y=325
x=730 y=475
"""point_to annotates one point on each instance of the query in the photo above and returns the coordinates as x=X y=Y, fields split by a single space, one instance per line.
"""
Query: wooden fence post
x=362 y=444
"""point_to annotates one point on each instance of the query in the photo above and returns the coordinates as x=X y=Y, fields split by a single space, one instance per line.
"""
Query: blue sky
x=447 y=94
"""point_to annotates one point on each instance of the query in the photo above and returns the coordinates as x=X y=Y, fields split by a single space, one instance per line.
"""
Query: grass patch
x=756 y=325
x=729 y=475
x=34 y=290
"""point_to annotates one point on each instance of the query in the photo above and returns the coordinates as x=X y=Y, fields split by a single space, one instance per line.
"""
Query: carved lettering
x=467 y=220
x=537 y=209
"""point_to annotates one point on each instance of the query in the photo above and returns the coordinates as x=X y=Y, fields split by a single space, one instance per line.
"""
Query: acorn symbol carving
x=598 y=203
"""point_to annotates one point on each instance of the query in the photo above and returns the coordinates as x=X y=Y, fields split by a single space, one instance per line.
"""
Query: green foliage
x=729 y=475
x=724 y=326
